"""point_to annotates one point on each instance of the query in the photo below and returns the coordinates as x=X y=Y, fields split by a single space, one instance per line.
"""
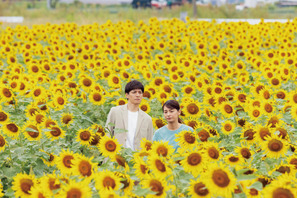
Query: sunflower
x=228 y=127
x=197 y=189
x=31 y=110
x=59 y=101
x=161 y=148
x=32 y=131
x=109 y=147
x=158 y=122
x=1 y=189
x=107 y=181
x=292 y=160
x=22 y=184
x=146 y=144
x=194 y=162
x=114 y=81
x=192 y=122
x=6 y=94
x=66 y=119
x=144 y=106
x=267 y=108
x=96 y=97
x=192 y=109
x=255 y=112
x=280 y=188
x=65 y=160
x=212 y=151
x=50 y=183
x=243 y=151
x=234 y=160
x=86 y=82
x=188 y=90
x=220 y=180
x=294 y=112
x=11 y=129
x=203 y=135
x=55 y=132
x=157 y=185
x=227 y=109
x=159 y=166
x=4 y=117
x=2 y=142
x=262 y=133
x=84 y=136
x=76 y=189
x=141 y=167
x=275 y=147
x=187 y=139
x=83 y=166
x=51 y=160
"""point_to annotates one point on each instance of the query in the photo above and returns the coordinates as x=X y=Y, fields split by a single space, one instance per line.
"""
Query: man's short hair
x=134 y=84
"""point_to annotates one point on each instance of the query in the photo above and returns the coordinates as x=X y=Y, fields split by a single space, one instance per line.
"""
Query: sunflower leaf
x=246 y=177
x=257 y=185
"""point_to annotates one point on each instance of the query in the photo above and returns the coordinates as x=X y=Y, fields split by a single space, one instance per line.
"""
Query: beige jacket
x=119 y=117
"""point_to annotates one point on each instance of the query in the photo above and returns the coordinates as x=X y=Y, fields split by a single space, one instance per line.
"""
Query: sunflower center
x=213 y=153
x=220 y=178
x=110 y=146
x=194 y=159
x=203 y=135
x=268 y=108
x=52 y=184
x=253 y=192
x=2 y=141
x=189 y=138
x=67 y=161
x=228 y=127
x=120 y=160
x=188 y=90
x=115 y=80
x=245 y=153
x=3 y=116
x=35 y=133
x=39 y=118
x=37 y=92
x=26 y=185
x=148 y=146
x=108 y=182
x=282 y=193
x=85 y=135
x=6 y=92
x=143 y=108
x=12 y=127
x=157 y=187
x=200 y=189
x=143 y=168
x=85 y=168
x=193 y=108
x=66 y=119
x=228 y=109
x=249 y=134
x=95 y=140
x=74 y=193
x=87 y=82
x=280 y=95
x=294 y=162
x=233 y=159
x=60 y=101
x=275 y=145
x=264 y=132
x=97 y=97
x=160 y=165
x=56 y=131
x=256 y=113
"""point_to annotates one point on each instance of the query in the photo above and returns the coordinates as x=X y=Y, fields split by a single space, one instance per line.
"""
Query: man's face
x=134 y=96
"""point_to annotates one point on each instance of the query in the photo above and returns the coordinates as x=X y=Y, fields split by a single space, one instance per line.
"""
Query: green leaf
x=257 y=185
x=246 y=177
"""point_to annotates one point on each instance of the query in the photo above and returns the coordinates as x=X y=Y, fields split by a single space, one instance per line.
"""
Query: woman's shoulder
x=160 y=130
x=186 y=127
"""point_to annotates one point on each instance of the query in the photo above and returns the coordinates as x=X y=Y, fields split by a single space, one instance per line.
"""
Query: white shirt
x=132 y=121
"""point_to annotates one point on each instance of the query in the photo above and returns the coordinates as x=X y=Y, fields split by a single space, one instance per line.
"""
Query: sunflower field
x=236 y=84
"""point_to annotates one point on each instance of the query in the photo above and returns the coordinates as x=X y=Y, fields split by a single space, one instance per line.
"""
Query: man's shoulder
x=117 y=108
x=145 y=115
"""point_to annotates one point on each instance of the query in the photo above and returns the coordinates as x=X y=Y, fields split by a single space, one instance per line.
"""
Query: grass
x=87 y=14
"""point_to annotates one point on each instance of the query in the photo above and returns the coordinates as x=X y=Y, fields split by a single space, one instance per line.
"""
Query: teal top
x=167 y=135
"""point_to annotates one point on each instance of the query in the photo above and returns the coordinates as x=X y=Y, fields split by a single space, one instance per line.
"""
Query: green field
x=87 y=14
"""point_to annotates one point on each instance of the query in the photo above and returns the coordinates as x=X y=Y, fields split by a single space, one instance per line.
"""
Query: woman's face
x=171 y=115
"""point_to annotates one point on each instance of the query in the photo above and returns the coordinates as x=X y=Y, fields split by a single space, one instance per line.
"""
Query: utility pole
x=194 y=8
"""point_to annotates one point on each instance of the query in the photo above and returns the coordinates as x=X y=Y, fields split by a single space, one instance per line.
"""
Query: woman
x=171 y=110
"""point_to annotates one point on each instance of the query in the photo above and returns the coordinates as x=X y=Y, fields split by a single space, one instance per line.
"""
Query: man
x=130 y=117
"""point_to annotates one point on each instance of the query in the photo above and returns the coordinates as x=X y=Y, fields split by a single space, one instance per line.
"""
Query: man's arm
x=110 y=119
x=150 y=131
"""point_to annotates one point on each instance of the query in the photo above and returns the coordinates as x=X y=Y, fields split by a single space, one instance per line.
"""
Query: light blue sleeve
x=156 y=136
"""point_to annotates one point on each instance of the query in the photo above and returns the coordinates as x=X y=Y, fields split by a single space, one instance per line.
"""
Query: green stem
x=11 y=161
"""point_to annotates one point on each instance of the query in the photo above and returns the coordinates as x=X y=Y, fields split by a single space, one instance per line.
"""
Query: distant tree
x=51 y=4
